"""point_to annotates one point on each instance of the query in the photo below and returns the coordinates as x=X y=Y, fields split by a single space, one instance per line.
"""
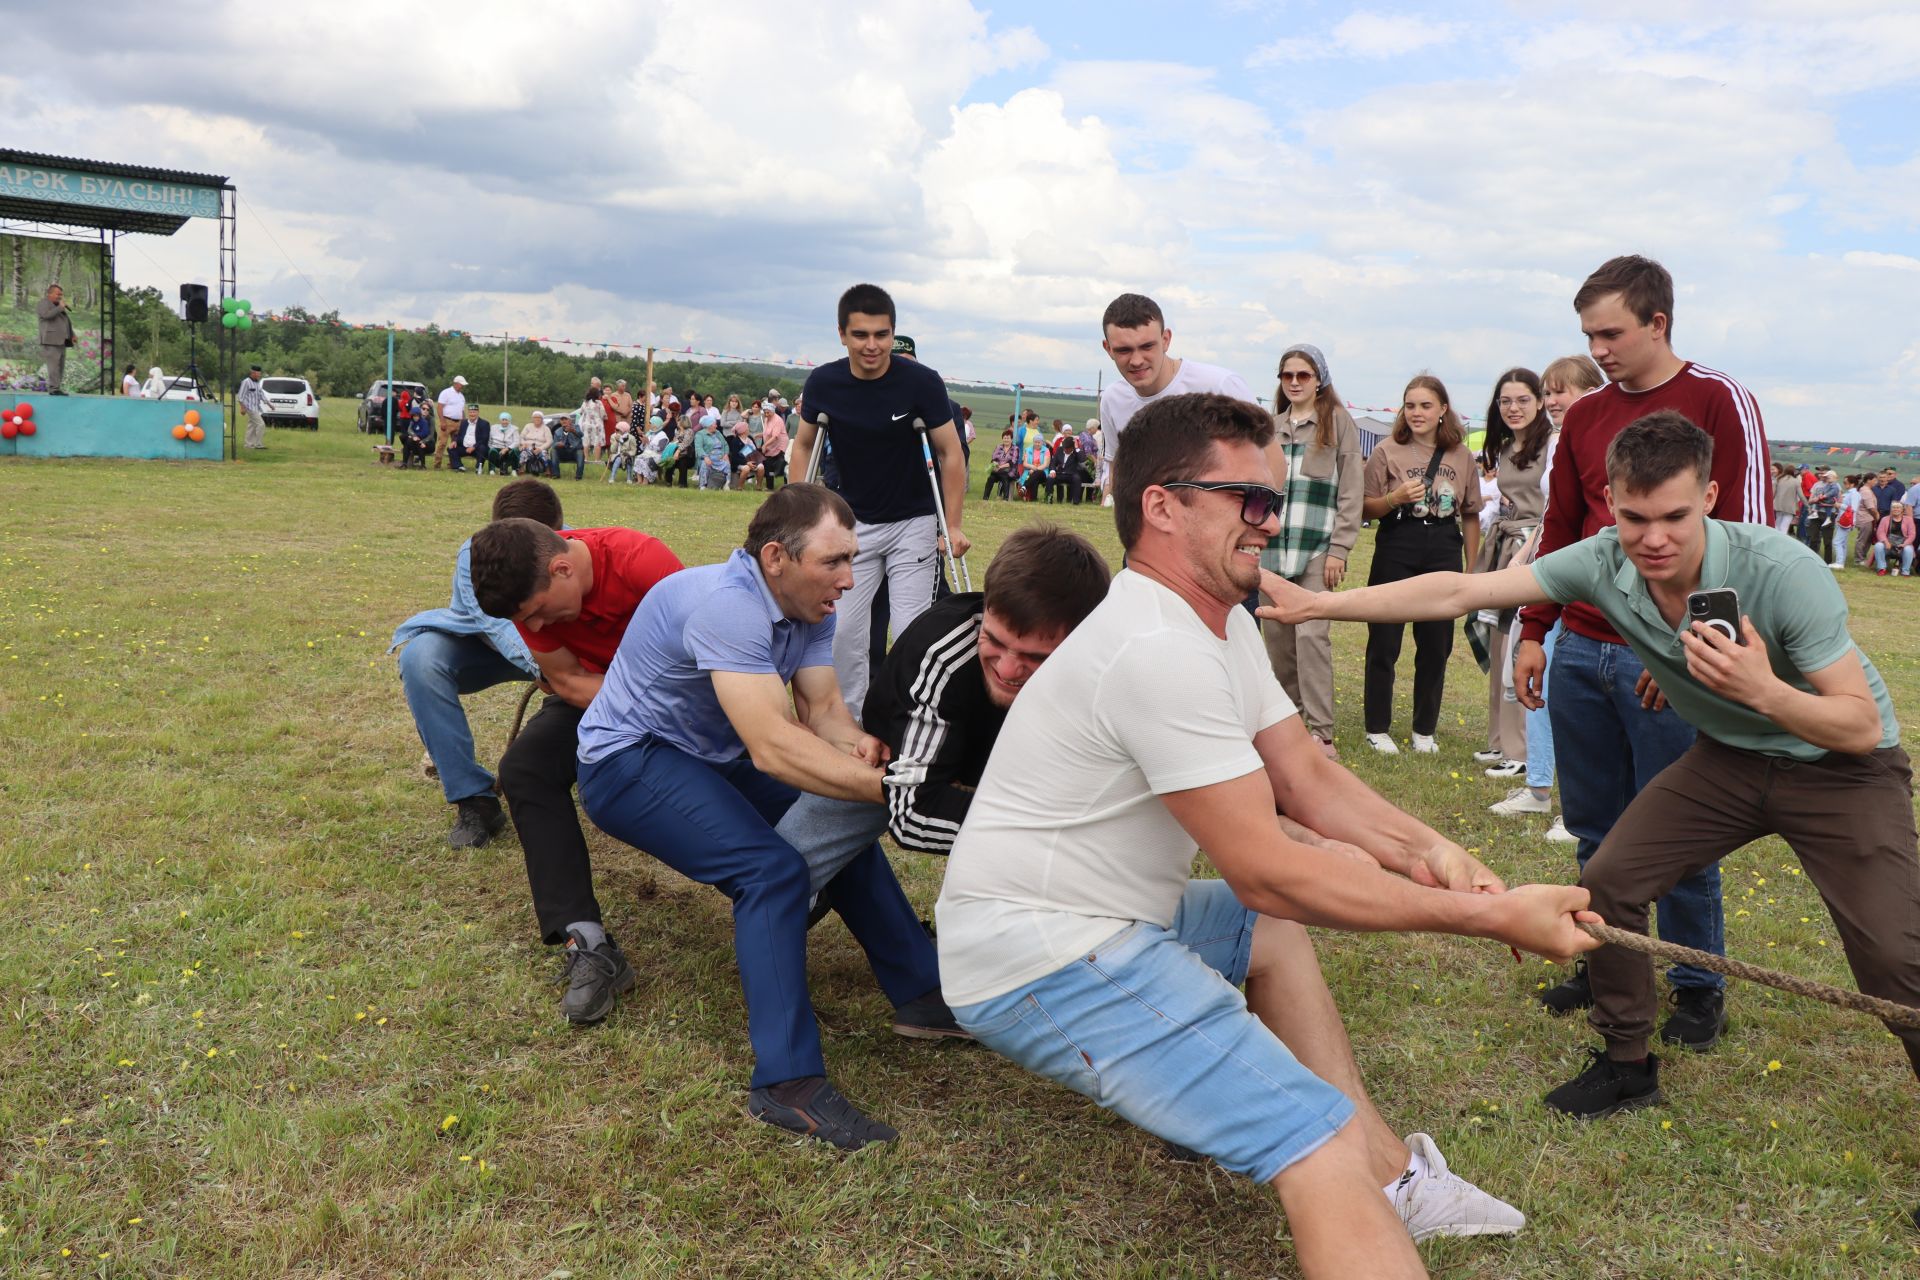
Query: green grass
x=246 y=981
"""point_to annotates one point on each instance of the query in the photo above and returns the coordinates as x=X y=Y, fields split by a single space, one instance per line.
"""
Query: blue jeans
x=435 y=669
x=576 y=455
x=1540 y=758
x=1880 y=557
x=1151 y=1024
x=715 y=823
x=1598 y=720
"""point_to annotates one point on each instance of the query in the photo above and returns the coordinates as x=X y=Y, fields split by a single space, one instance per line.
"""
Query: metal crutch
x=940 y=505
x=818 y=451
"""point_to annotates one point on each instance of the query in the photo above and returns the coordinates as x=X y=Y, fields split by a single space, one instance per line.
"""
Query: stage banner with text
x=28 y=264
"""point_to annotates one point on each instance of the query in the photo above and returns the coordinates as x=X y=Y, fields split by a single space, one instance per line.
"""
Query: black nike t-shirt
x=883 y=475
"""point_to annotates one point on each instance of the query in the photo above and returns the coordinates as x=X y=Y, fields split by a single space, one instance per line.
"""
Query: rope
x=1885 y=1010
x=520 y=713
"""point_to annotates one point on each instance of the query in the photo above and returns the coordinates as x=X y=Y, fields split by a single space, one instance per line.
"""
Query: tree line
x=339 y=361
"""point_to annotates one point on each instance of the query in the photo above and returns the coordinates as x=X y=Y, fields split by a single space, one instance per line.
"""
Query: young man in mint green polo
x=1797 y=736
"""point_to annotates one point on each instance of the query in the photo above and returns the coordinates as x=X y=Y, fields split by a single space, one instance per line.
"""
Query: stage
x=111 y=427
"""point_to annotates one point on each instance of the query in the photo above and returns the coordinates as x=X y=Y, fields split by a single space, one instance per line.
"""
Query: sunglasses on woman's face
x=1258 y=502
x=1292 y=376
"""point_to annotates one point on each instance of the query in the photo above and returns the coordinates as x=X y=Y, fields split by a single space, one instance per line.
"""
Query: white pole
x=965 y=582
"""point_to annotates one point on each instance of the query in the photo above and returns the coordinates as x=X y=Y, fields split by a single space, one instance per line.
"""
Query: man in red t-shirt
x=1599 y=722
x=571 y=597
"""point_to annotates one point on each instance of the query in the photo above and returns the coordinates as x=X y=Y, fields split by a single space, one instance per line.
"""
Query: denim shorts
x=1151 y=1024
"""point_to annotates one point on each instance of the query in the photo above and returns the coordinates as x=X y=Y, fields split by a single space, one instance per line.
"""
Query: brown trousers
x=1302 y=657
x=443 y=440
x=1849 y=819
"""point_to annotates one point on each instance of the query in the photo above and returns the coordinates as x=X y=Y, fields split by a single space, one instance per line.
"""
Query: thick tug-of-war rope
x=1885 y=1010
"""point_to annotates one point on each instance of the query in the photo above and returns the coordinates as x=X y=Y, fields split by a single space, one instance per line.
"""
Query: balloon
x=245 y=318
x=180 y=431
x=243 y=305
x=193 y=417
x=229 y=304
x=27 y=428
x=8 y=431
x=231 y=320
x=196 y=435
x=23 y=409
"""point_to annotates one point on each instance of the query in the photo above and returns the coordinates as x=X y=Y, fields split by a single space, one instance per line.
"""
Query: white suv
x=290 y=402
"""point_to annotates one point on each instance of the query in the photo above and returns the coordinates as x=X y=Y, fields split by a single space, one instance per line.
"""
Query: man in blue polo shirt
x=1796 y=733
x=870 y=402
x=693 y=751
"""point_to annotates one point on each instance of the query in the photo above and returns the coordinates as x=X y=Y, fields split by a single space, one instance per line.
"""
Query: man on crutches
x=867 y=405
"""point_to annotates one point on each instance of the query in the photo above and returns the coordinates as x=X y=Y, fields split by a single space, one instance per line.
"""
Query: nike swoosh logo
x=898 y=416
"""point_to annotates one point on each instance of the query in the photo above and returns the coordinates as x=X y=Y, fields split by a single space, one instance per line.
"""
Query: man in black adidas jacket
x=940 y=698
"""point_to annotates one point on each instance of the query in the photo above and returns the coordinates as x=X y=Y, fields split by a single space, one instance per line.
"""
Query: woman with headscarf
x=155 y=387
x=1318 y=526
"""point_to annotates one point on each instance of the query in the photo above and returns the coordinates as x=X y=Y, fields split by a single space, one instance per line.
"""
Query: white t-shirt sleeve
x=1172 y=710
x=1236 y=386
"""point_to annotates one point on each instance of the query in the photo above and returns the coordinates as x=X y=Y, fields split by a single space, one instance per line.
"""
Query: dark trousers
x=536 y=776
x=714 y=823
x=776 y=469
x=1001 y=480
x=1406 y=549
x=576 y=455
x=1848 y=818
x=681 y=467
x=1820 y=537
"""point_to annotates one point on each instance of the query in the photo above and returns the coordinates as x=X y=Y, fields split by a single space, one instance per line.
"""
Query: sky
x=1412 y=188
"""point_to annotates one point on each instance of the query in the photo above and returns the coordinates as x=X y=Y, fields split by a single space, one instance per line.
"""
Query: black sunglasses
x=1258 y=502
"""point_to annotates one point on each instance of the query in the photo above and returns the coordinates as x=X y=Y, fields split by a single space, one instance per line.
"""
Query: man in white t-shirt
x=453 y=407
x=1072 y=939
x=1135 y=336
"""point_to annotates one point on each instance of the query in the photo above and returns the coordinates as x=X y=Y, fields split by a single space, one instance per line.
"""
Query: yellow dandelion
x=1666 y=1124
x=466 y=1159
x=1773 y=1065
x=213 y=1053
x=449 y=1122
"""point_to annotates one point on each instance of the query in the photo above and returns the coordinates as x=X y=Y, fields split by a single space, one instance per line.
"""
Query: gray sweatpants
x=830 y=833
x=903 y=553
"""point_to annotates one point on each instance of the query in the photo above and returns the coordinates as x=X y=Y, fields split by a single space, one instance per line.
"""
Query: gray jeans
x=902 y=552
x=56 y=358
x=830 y=833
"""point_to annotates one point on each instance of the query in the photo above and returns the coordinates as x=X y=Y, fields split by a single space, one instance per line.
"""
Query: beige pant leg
x=1506 y=718
x=1302 y=658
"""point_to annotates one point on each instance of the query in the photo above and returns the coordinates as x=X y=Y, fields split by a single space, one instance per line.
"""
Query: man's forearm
x=1832 y=722
x=577 y=688
x=1337 y=805
x=794 y=755
x=1318 y=887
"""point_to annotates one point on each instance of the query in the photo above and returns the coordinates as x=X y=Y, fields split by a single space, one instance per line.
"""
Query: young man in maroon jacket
x=1604 y=712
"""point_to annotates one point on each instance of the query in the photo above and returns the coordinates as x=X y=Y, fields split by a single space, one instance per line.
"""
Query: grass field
x=260 y=1020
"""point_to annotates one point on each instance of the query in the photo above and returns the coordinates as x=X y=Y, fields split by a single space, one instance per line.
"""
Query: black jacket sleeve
x=919 y=716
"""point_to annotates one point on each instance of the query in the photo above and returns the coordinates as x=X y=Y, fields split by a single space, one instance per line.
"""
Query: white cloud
x=1360 y=35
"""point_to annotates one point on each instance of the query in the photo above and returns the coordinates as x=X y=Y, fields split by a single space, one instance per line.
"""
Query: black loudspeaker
x=193 y=303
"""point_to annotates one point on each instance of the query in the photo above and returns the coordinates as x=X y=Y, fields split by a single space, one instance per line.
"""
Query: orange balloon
x=179 y=431
x=193 y=417
x=196 y=435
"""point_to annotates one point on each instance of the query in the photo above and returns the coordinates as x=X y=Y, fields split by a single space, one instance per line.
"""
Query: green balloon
x=229 y=304
x=243 y=305
x=246 y=320
x=230 y=320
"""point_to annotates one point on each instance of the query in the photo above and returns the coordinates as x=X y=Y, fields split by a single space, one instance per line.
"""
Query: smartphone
x=1719 y=609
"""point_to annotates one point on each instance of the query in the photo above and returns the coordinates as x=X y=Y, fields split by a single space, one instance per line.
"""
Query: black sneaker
x=1607 y=1086
x=928 y=1018
x=1699 y=1017
x=480 y=820
x=1575 y=993
x=595 y=975
x=813 y=1107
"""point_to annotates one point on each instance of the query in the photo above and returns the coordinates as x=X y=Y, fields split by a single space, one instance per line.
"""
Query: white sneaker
x=1520 y=800
x=1558 y=832
x=1489 y=757
x=1441 y=1203
x=1425 y=745
x=1508 y=769
x=1383 y=743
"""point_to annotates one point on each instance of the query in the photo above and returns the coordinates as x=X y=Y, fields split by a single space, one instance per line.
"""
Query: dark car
x=373 y=406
